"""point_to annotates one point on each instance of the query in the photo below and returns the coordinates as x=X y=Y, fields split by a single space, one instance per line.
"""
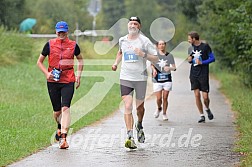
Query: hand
x=167 y=69
x=139 y=52
x=189 y=59
x=198 y=61
x=154 y=73
x=77 y=80
x=49 y=76
x=114 y=67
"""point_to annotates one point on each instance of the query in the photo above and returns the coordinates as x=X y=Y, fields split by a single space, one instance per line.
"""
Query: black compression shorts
x=61 y=94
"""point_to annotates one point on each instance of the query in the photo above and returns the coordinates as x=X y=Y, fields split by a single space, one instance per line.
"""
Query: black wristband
x=145 y=55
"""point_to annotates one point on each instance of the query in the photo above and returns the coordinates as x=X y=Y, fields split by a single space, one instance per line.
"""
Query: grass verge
x=240 y=97
x=26 y=112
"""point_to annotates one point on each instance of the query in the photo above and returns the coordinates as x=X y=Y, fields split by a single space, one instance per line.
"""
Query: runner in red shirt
x=60 y=77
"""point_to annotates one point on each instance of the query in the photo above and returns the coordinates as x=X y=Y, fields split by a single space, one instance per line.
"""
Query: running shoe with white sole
x=202 y=119
x=140 y=134
x=165 y=118
x=157 y=112
x=63 y=143
x=130 y=143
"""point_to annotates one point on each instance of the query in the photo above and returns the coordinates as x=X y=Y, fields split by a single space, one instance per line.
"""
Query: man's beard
x=133 y=31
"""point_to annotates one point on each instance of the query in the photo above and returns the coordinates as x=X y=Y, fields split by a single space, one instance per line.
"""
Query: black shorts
x=61 y=94
x=128 y=87
x=201 y=83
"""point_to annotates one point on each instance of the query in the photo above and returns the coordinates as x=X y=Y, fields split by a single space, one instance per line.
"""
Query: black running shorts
x=201 y=83
x=128 y=87
x=61 y=94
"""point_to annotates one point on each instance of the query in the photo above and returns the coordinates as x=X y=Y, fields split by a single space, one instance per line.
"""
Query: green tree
x=113 y=10
x=189 y=8
x=11 y=13
x=49 y=12
x=219 y=29
x=147 y=11
x=242 y=29
x=229 y=29
x=173 y=10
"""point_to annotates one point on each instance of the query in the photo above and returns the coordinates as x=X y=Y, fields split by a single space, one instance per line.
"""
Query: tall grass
x=14 y=47
x=240 y=97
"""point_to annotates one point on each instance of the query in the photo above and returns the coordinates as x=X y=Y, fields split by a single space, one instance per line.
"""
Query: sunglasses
x=61 y=32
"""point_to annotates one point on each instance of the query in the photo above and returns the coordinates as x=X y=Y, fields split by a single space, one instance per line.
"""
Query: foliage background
x=225 y=25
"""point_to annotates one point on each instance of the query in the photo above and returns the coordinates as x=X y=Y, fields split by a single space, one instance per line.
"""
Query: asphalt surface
x=180 y=141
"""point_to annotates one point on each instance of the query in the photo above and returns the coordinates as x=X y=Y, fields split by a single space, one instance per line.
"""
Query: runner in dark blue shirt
x=200 y=56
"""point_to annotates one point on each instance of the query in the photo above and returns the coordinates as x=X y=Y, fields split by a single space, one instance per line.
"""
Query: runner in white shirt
x=134 y=50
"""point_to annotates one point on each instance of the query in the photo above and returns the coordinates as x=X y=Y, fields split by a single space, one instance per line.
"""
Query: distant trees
x=11 y=12
x=227 y=25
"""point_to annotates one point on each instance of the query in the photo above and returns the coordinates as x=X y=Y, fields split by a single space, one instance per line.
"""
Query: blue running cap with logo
x=61 y=26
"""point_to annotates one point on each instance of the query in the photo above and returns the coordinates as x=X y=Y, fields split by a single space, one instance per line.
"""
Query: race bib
x=130 y=57
x=162 y=76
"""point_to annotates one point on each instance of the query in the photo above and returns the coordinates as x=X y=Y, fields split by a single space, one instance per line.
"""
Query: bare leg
x=159 y=98
x=140 y=110
x=198 y=100
x=65 y=119
x=128 y=117
x=165 y=101
x=206 y=99
x=57 y=116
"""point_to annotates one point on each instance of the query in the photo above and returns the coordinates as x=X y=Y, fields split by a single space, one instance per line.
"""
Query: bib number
x=162 y=77
x=130 y=57
x=56 y=74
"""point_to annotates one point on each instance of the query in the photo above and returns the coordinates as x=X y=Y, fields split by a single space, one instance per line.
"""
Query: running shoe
x=165 y=118
x=202 y=119
x=130 y=143
x=140 y=134
x=209 y=114
x=63 y=143
x=157 y=112
x=57 y=135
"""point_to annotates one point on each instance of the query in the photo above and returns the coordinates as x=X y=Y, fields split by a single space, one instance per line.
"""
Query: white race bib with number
x=162 y=76
x=130 y=57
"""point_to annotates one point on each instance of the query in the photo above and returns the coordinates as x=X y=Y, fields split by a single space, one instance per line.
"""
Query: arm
x=210 y=59
x=79 y=69
x=190 y=55
x=172 y=68
x=190 y=58
x=117 y=60
x=150 y=57
x=41 y=66
x=154 y=71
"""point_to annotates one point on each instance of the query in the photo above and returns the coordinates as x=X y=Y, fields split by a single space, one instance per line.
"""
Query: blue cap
x=61 y=26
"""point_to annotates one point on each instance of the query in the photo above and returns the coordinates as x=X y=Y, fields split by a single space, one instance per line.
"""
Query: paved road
x=181 y=141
